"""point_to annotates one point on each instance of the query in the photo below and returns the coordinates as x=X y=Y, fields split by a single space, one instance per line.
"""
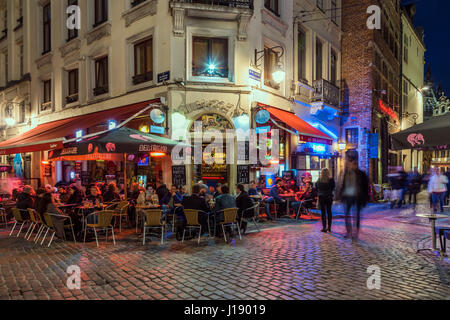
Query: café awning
x=306 y=132
x=112 y=144
x=432 y=134
x=51 y=135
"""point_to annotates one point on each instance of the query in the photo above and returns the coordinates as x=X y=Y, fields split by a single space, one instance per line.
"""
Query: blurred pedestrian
x=325 y=188
x=354 y=192
x=437 y=187
x=414 y=183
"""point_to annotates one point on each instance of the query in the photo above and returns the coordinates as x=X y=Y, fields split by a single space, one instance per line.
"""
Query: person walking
x=414 y=183
x=354 y=192
x=437 y=188
x=325 y=187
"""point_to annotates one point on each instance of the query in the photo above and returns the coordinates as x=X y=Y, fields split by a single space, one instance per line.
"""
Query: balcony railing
x=248 y=4
x=326 y=92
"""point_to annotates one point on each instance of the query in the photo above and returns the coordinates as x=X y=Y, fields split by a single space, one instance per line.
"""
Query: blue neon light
x=319 y=148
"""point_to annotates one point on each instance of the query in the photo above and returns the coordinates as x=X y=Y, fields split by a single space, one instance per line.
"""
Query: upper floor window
x=101 y=76
x=101 y=12
x=19 y=12
x=72 y=33
x=333 y=11
x=143 y=61
x=334 y=61
x=136 y=2
x=46 y=95
x=301 y=55
x=352 y=136
x=3 y=23
x=72 y=86
x=405 y=49
x=210 y=57
x=320 y=4
x=319 y=59
x=46 y=10
x=6 y=68
x=273 y=6
x=21 y=60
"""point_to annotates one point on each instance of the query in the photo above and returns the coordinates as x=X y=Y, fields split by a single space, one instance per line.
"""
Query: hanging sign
x=165 y=76
x=389 y=111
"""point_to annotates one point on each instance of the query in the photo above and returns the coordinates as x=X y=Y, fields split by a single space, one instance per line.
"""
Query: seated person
x=25 y=201
x=274 y=197
x=243 y=202
x=63 y=195
x=75 y=195
x=111 y=194
x=94 y=196
x=196 y=202
x=224 y=201
x=254 y=189
x=306 y=198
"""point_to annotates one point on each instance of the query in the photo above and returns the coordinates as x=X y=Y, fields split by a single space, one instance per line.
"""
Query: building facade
x=412 y=66
x=199 y=60
x=371 y=84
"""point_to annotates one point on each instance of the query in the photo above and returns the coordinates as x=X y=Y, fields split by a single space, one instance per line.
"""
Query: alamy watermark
x=374 y=21
x=74 y=279
x=374 y=280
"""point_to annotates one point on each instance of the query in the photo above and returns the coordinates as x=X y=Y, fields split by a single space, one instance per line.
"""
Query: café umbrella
x=432 y=134
x=118 y=144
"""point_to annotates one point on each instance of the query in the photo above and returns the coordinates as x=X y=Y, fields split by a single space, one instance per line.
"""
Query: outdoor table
x=287 y=197
x=432 y=218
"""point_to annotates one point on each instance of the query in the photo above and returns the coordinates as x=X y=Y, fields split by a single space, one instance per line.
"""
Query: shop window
x=101 y=76
x=73 y=86
x=210 y=57
x=46 y=11
x=273 y=6
x=143 y=61
x=72 y=33
x=352 y=137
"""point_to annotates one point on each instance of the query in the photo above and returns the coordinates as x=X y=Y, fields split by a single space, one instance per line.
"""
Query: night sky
x=434 y=16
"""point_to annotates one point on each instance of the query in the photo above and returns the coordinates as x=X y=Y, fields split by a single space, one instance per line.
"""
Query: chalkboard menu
x=243 y=174
x=287 y=175
x=243 y=151
x=179 y=175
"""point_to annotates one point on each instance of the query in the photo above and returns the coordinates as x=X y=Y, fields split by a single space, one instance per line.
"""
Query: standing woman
x=325 y=188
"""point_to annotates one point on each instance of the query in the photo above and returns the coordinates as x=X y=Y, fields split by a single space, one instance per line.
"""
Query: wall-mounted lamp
x=279 y=74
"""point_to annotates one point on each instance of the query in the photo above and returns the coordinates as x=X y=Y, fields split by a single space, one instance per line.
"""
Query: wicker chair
x=3 y=217
x=121 y=212
x=192 y=222
x=19 y=220
x=153 y=220
x=230 y=219
x=48 y=222
x=35 y=221
x=104 y=222
x=68 y=226
x=255 y=212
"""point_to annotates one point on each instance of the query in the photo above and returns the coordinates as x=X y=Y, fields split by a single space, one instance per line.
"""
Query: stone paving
x=287 y=260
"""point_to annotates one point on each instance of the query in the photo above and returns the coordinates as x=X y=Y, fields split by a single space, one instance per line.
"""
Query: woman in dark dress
x=325 y=188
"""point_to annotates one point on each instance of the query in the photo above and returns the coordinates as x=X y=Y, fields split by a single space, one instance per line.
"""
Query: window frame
x=147 y=75
x=72 y=34
x=100 y=12
x=273 y=6
x=73 y=96
x=104 y=88
x=46 y=27
x=302 y=56
x=354 y=135
x=210 y=41
x=334 y=71
x=319 y=66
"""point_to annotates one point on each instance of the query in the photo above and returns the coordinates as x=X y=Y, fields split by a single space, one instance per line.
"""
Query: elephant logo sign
x=416 y=139
x=110 y=147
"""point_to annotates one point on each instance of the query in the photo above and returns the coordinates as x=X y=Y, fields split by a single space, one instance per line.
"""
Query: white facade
x=413 y=63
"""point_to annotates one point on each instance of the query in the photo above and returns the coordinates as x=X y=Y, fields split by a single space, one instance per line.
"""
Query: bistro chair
x=35 y=221
x=154 y=220
x=192 y=222
x=104 y=222
x=303 y=206
x=3 y=217
x=230 y=219
x=48 y=222
x=19 y=220
x=253 y=210
x=68 y=226
x=120 y=212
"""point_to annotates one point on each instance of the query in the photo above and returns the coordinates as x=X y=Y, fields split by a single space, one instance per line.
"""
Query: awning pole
x=125 y=182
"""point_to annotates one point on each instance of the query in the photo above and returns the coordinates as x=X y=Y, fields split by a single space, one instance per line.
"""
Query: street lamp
x=279 y=74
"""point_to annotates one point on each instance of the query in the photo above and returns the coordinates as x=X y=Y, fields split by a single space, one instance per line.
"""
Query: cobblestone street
x=287 y=260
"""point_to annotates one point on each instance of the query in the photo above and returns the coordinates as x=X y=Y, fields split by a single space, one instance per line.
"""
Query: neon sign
x=319 y=148
x=390 y=112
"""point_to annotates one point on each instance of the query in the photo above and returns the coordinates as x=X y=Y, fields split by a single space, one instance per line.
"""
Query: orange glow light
x=157 y=154
x=45 y=162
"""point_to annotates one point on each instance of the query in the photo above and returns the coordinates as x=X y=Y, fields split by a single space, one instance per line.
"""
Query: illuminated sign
x=319 y=148
x=390 y=112
x=143 y=162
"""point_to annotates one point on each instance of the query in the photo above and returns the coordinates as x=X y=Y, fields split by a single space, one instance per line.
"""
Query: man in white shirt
x=437 y=187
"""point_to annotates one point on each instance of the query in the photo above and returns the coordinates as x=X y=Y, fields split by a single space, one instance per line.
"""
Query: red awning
x=301 y=126
x=50 y=136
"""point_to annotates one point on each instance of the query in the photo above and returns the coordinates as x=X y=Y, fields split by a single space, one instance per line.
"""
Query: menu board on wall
x=179 y=175
x=243 y=174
